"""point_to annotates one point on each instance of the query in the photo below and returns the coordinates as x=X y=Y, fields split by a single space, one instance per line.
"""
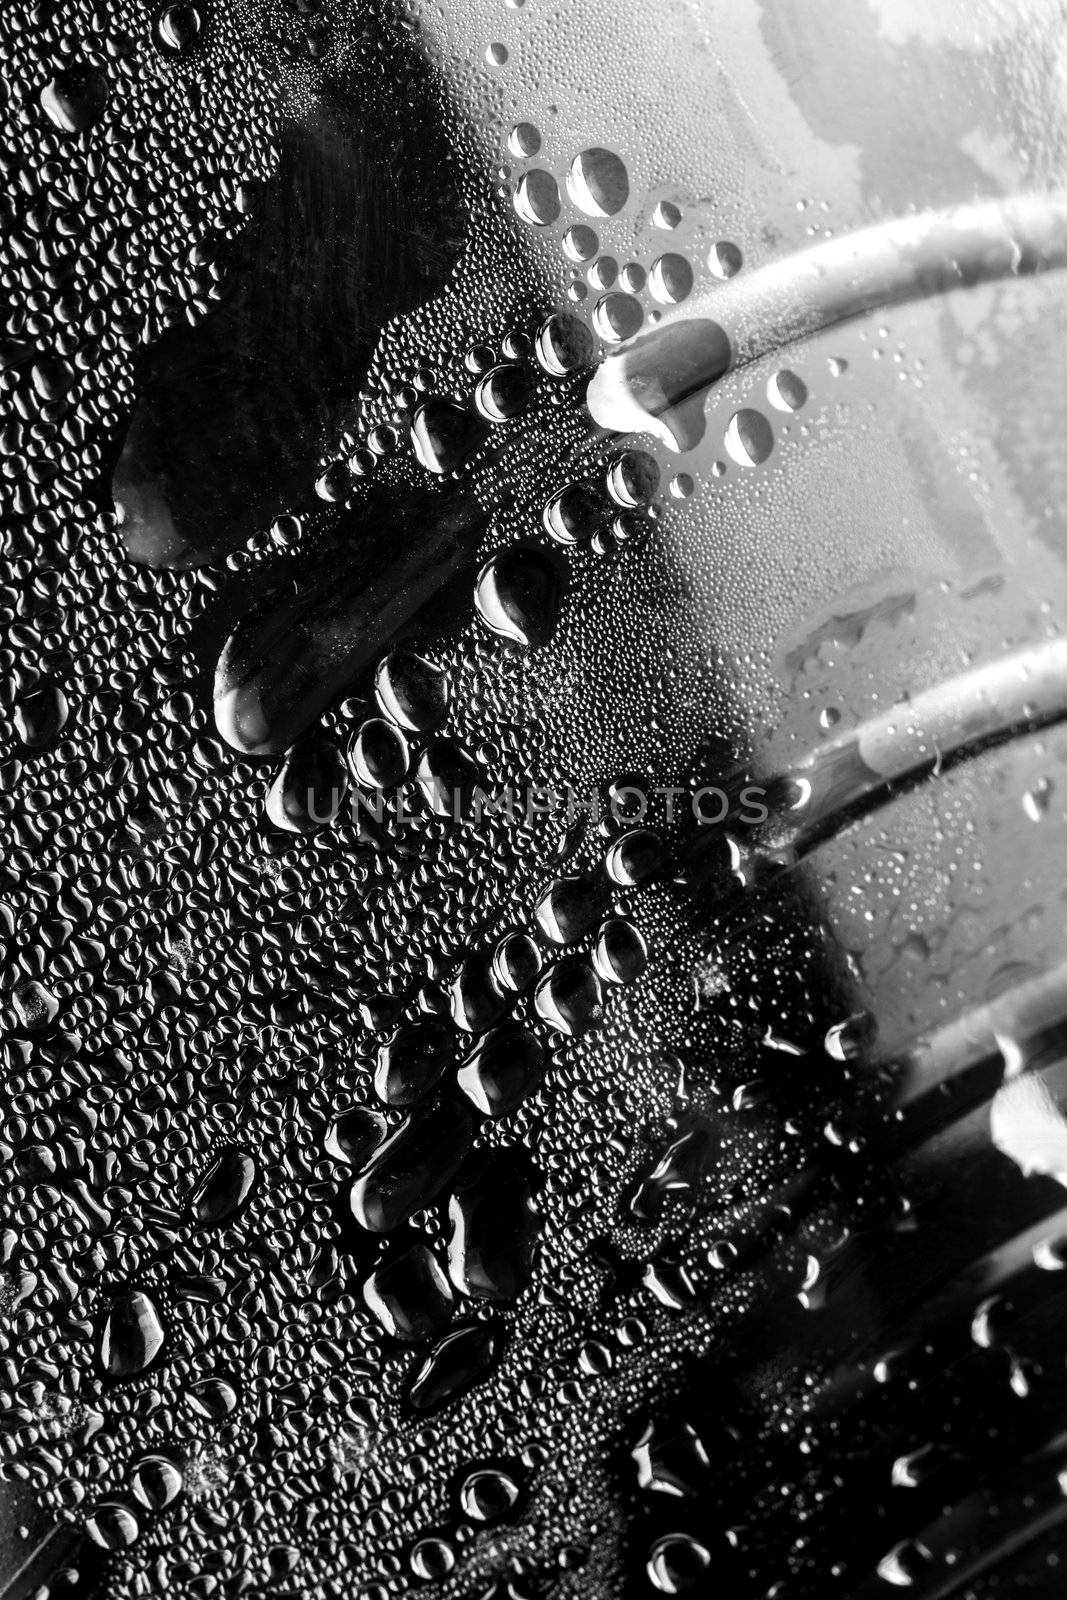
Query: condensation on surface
x=480 y=1204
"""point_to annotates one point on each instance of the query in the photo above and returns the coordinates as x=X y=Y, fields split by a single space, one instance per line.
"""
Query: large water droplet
x=518 y=594
x=310 y=786
x=597 y=182
x=677 y=1562
x=537 y=198
x=444 y=433
x=569 y=997
x=225 y=1187
x=459 y=1361
x=749 y=438
x=178 y=28
x=76 y=98
x=156 y=1482
x=563 y=344
x=502 y=1071
x=112 y=1526
x=355 y=1134
x=41 y=716
x=670 y=279
x=409 y=1293
x=412 y=1062
x=379 y=754
x=131 y=1335
x=488 y=1494
x=411 y=1168
x=412 y=691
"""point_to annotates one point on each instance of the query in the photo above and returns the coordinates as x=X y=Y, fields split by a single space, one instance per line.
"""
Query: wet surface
x=533 y=993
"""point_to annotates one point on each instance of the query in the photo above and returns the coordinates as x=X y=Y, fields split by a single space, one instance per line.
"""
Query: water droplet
x=412 y=1062
x=493 y=1227
x=670 y=279
x=536 y=198
x=503 y=393
x=409 y=1294
x=310 y=787
x=666 y=215
x=574 y=514
x=410 y=1169
x=524 y=140
x=617 y=316
x=633 y=478
x=379 y=755
x=355 y=1134
x=563 y=344
x=444 y=433
x=516 y=962
x=620 y=955
x=211 y=1398
x=580 y=243
x=41 y=716
x=156 y=1482
x=506 y=1066
x=130 y=1336
x=461 y=1359
x=225 y=1187
x=598 y=183
x=725 y=259
x=904 y=1564
x=786 y=392
x=1037 y=800
x=432 y=1559
x=570 y=908
x=749 y=438
x=518 y=595
x=677 y=1562
x=178 y=28
x=488 y=1494
x=671 y=1459
x=112 y=1526
x=76 y=98
x=412 y=692
x=569 y=997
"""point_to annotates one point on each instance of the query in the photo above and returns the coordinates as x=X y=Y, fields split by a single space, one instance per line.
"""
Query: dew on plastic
x=524 y=140
x=617 y=317
x=749 y=438
x=536 y=198
x=786 y=391
x=670 y=279
x=597 y=182
x=580 y=243
x=725 y=259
